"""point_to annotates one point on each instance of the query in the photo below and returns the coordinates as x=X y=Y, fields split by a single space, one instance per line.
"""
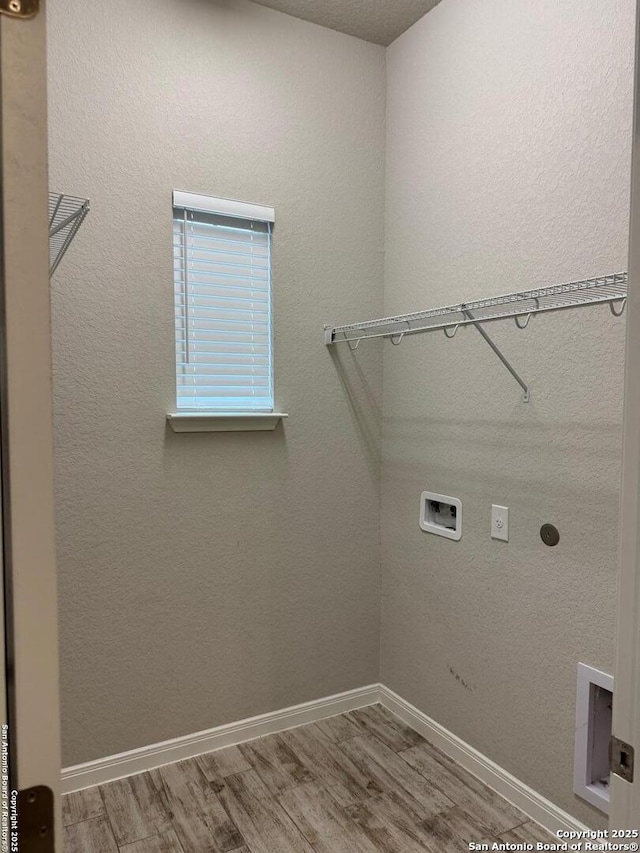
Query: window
x=222 y=285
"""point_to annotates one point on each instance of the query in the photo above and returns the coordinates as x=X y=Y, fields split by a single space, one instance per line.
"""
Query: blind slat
x=211 y=289
x=224 y=315
x=231 y=347
x=224 y=388
x=226 y=338
x=222 y=287
x=221 y=276
x=210 y=373
x=229 y=391
x=226 y=303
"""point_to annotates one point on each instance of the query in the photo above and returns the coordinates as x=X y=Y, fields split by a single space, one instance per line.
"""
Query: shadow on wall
x=364 y=406
x=229 y=457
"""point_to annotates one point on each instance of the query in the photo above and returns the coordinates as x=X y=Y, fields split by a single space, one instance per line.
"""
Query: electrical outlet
x=500 y=522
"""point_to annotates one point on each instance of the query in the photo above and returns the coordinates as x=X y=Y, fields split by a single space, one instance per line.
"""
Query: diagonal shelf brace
x=521 y=306
x=498 y=352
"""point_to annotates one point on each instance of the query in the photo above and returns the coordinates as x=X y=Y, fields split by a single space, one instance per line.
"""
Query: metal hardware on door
x=20 y=8
x=621 y=758
x=35 y=820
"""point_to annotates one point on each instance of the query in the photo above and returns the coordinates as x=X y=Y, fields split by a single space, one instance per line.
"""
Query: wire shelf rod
x=601 y=290
x=66 y=215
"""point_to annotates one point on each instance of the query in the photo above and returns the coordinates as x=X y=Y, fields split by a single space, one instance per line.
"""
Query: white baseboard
x=523 y=797
x=157 y=754
x=146 y=758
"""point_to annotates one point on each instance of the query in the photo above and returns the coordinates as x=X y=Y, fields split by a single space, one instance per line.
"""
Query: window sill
x=231 y=422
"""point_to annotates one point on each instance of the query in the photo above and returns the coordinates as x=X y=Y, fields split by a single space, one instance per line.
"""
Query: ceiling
x=379 y=21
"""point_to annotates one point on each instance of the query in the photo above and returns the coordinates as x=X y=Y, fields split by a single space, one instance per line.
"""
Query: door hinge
x=35 y=820
x=20 y=8
x=621 y=757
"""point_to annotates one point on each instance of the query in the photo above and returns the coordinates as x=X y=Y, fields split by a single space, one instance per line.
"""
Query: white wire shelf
x=521 y=306
x=66 y=215
x=575 y=294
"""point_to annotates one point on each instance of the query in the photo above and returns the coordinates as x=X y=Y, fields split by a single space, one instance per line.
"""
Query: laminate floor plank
x=324 y=824
x=528 y=832
x=167 y=842
x=377 y=721
x=90 y=836
x=135 y=807
x=200 y=821
x=396 y=777
x=222 y=763
x=452 y=831
x=339 y=728
x=82 y=805
x=264 y=824
x=390 y=826
x=276 y=764
x=328 y=763
x=360 y=782
x=474 y=797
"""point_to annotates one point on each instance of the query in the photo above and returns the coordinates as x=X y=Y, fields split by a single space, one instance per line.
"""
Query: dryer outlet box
x=441 y=514
x=594 y=701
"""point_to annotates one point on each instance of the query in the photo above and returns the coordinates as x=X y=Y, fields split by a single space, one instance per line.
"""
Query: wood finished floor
x=362 y=782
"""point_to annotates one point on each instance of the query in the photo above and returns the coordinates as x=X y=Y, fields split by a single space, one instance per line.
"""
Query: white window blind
x=222 y=278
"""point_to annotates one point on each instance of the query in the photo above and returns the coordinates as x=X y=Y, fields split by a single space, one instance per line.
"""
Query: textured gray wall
x=507 y=167
x=205 y=578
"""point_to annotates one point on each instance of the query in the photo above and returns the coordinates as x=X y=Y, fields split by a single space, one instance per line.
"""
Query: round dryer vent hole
x=549 y=534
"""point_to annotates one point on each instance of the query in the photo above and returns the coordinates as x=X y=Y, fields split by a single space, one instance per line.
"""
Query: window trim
x=223 y=206
x=224 y=422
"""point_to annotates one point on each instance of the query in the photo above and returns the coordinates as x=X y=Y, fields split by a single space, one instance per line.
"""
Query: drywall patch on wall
x=508 y=161
x=206 y=578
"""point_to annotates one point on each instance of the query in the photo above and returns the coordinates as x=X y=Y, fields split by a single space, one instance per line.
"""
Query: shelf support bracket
x=503 y=359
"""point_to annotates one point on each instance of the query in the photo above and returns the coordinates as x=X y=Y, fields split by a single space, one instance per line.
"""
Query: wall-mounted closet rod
x=66 y=215
x=519 y=306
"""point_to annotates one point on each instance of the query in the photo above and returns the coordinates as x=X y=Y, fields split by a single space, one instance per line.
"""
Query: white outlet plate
x=500 y=522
